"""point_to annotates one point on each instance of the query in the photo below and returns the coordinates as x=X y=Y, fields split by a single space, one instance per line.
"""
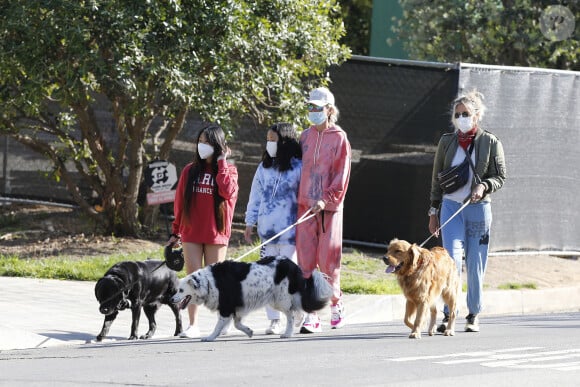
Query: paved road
x=536 y=350
x=39 y=313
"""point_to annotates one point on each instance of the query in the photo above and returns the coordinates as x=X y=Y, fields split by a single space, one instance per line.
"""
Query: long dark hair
x=216 y=138
x=288 y=147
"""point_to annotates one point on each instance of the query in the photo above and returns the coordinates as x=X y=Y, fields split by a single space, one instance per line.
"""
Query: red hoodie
x=202 y=226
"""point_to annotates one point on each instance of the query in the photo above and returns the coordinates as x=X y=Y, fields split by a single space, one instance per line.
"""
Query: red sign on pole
x=154 y=198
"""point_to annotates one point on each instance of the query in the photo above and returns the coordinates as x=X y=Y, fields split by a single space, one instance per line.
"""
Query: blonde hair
x=473 y=101
x=332 y=114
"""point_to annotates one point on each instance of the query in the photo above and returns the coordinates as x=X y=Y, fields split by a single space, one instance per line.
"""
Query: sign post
x=161 y=178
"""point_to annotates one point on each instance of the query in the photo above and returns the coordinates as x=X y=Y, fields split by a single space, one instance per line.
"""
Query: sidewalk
x=42 y=313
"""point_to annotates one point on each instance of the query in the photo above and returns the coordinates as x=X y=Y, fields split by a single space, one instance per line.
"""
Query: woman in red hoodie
x=204 y=208
x=326 y=156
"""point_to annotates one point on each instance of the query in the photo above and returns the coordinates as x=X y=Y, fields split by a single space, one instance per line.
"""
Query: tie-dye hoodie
x=273 y=202
x=326 y=159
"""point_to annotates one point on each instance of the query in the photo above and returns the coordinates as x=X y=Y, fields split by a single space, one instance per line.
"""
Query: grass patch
x=360 y=274
x=363 y=275
x=514 y=286
x=354 y=284
x=64 y=268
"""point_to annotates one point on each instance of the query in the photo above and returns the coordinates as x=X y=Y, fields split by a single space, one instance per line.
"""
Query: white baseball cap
x=321 y=96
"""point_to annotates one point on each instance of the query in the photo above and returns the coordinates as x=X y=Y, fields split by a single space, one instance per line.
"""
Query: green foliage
x=501 y=32
x=150 y=63
x=357 y=20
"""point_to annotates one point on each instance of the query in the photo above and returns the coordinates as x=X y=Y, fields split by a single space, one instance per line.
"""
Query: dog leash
x=467 y=201
x=303 y=218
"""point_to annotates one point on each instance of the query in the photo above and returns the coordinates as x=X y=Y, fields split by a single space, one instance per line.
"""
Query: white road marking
x=544 y=366
x=532 y=357
x=461 y=354
x=520 y=358
x=413 y=358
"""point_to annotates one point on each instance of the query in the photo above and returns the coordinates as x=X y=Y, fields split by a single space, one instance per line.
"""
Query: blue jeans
x=468 y=232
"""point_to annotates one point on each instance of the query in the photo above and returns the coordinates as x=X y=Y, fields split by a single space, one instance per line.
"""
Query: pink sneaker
x=311 y=324
x=337 y=315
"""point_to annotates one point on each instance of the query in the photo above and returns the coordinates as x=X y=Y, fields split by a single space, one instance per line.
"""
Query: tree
x=502 y=32
x=151 y=63
x=357 y=19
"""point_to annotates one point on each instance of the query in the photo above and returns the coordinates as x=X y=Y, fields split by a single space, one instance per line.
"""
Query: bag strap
x=468 y=156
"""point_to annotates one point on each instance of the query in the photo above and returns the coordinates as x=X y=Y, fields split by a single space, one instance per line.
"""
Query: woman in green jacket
x=468 y=232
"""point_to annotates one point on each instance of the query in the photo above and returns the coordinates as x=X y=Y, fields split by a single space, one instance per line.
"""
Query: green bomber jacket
x=489 y=164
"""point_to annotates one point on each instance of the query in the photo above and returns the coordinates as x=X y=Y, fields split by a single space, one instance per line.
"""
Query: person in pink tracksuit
x=326 y=157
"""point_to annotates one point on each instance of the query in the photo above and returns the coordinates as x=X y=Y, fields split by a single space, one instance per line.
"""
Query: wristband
x=433 y=211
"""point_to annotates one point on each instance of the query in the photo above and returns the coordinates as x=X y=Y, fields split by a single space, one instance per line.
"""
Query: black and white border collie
x=235 y=289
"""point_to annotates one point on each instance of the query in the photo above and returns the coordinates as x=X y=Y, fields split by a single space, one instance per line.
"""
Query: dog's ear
x=420 y=255
x=414 y=255
x=121 y=285
x=98 y=287
x=193 y=281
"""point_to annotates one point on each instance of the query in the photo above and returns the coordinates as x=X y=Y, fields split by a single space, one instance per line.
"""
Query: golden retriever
x=424 y=275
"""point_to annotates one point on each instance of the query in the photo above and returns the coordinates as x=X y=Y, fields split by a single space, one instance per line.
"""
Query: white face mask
x=204 y=150
x=272 y=148
x=464 y=124
x=317 y=118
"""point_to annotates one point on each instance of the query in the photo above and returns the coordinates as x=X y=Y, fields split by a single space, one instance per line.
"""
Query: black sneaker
x=441 y=328
x=472 y=324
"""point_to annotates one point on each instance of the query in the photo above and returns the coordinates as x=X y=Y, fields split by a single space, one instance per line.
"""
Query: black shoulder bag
x=453 y=178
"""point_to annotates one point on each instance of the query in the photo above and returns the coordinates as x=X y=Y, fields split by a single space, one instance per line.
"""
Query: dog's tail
x=315 y=293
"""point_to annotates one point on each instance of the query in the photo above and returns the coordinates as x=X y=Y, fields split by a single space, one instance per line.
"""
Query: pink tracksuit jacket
x=326 y=158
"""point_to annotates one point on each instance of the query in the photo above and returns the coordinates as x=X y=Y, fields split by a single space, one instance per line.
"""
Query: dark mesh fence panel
x=536 y=115
x=384 y=104
x=394 y=113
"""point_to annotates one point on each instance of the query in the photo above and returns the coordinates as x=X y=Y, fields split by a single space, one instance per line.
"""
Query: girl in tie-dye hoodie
x=273 y=204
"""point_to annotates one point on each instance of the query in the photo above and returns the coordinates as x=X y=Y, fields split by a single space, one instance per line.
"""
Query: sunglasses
x=462 y=114
x=314 y=108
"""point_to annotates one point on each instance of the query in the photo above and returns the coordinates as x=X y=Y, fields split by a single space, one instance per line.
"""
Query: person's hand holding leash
x=319 y=206
x=434 y=225
x=173 y=239
x=477 y=193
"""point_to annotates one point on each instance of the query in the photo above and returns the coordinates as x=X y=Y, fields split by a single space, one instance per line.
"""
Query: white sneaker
x=192 y=332
x=275 y=327
x=311 y=324
x=337 y=315
x=472 y=323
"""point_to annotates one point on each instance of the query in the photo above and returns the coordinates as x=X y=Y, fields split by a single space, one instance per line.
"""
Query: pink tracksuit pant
x=319 y=244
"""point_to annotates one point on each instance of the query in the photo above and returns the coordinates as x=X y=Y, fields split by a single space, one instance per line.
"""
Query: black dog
x=130 y=284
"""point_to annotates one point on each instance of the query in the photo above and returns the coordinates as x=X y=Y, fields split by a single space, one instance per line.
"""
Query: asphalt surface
x=42 y=313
